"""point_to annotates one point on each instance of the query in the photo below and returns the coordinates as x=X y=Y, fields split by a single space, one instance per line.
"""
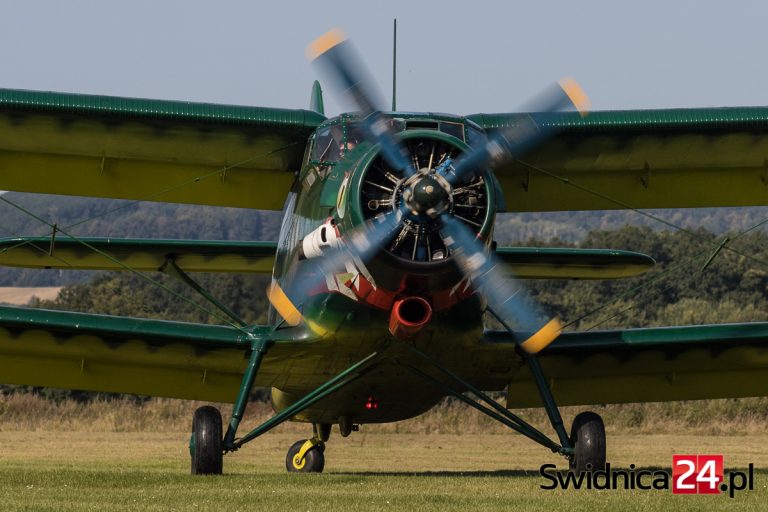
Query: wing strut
x=496 y=411
x=172 y=269
x=341 y=380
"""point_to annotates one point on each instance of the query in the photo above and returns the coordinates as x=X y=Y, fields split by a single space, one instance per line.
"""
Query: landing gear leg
x=549 y=400
x=258 y=349
x=207 y=445
x=307 y=455
x=586 y=444
x=322 y=431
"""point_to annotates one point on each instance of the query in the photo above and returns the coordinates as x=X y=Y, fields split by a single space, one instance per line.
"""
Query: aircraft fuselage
x=342 y=184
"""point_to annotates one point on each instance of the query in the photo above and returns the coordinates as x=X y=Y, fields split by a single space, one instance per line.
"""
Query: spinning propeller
x=426 y=193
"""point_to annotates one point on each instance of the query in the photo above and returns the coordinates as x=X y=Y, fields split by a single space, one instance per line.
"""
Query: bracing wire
x=127 y=267
x=669 y=271
x=149 y=197
x=155 y=195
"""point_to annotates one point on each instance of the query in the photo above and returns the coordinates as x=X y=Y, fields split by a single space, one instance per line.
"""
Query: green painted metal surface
x=112 y=107
x=701 y=335
x=116 y=327
x=258 y=349
x=491 y=406
x=660 y=120
x=573 y=263
x=150 y=357
x=316 y=99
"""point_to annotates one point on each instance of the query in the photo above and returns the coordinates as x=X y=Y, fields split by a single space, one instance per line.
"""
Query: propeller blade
x=565 y=94
x=362 y=242
x=358 y=246
x=506 y=297
x=336 y=56
x=530 y=130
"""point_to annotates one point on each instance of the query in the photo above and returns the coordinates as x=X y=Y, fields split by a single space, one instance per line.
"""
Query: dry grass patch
x=20 y=295
x=27 y=411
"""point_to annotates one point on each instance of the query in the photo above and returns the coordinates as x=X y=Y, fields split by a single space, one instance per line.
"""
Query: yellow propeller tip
x=283 y=304
x=576 y=94
x=543 y=337
x=324 y=43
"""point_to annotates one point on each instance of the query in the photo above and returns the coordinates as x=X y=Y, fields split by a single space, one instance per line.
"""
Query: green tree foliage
x=693 y=282
x=679 y=290
x=687 y=286
x=83 y=216
x=573 y=227
x=127 y=294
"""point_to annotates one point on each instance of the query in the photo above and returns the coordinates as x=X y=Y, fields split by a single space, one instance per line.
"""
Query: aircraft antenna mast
x=394 y=66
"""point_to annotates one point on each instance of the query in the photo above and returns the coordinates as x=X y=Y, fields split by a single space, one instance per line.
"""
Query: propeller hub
x=427 y=193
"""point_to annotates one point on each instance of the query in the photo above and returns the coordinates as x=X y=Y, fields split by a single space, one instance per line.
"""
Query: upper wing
x=681 y=158
x=131 y=355
x=154 y=150
x=649 y=365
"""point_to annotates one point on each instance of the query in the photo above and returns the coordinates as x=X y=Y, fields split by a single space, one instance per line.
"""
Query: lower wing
x=649 y=365
x=131 y=355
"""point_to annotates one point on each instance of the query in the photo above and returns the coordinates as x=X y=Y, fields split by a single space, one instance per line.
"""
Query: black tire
x=314 y=460
x=588 y=439
x=205 y=443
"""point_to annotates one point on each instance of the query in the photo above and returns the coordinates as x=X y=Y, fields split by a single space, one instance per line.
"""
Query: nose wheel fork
x=307 y=456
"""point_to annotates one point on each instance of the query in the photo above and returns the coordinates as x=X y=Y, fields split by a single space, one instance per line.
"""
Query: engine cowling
x=416 y=261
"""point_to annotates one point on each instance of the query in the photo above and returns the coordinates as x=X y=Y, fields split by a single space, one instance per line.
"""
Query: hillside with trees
x=82 y=217
x=683 y=287
x=692 y=283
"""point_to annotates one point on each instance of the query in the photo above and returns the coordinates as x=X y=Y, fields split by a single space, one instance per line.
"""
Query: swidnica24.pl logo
x=691 y=474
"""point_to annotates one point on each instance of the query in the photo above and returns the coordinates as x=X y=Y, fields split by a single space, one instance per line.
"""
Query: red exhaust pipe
x=409 y=315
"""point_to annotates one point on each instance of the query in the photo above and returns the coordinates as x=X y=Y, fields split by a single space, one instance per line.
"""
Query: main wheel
x=313 y=462
x=205 y=443
x=588 y=439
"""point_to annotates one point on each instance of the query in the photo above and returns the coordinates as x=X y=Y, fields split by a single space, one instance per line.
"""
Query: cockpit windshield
x=334 y=141
x=328 y=144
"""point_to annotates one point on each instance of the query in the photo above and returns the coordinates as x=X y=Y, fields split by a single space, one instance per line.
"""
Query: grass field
x=79 y=467
x=149 y=471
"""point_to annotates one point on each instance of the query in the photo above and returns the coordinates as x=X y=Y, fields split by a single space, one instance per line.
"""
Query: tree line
x=697 y=279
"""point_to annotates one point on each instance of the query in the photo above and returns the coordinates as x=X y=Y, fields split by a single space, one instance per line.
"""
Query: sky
x=459 y=57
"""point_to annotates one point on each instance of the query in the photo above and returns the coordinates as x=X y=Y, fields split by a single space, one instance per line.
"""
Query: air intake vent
x=421 y=125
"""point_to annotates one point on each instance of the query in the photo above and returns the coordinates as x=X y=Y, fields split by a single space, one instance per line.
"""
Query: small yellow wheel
x=313 y=460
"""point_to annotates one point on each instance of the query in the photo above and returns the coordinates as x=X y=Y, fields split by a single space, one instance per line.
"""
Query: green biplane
x=385 y=264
